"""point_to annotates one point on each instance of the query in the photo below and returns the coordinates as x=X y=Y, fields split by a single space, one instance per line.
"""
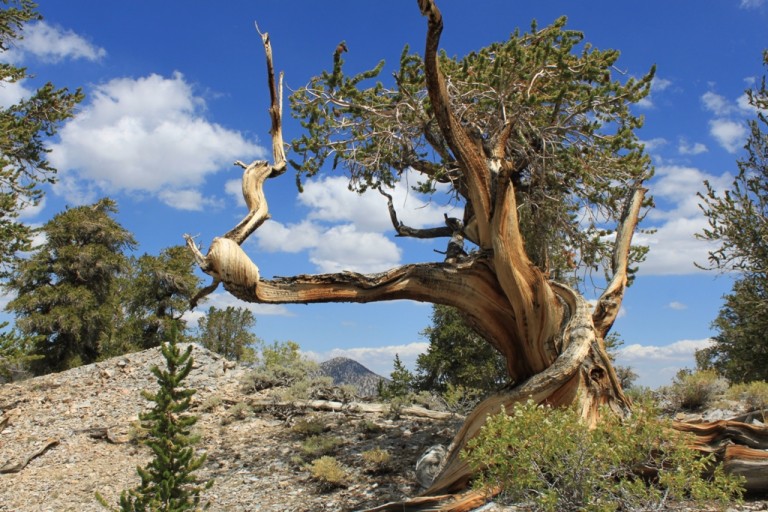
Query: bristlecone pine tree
x=168 y=483
x=535 y=139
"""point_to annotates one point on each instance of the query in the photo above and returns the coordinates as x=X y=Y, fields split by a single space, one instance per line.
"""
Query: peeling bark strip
x=550 y=339
x=15 y=468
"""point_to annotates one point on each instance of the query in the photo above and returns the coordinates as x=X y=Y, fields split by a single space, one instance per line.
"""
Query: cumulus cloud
x=146 y=134
x=654 y=144
x=674 y=247
x=377 y=359
x=657 y=365
x=330 y=200
x=189 y=199
x=716 y=104
x=13 y=92
x=345 y=248
x=731 y=135
x=346 y=231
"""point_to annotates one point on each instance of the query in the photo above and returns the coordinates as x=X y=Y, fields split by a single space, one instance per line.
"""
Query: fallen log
x=356 y=407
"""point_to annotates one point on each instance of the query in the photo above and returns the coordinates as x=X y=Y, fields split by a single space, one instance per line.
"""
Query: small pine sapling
x=168 y=483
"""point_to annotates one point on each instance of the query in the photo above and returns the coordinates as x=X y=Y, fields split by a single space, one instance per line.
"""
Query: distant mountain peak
x=344 y=370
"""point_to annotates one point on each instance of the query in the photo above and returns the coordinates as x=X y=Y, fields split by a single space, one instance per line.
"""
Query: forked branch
x=609 y=303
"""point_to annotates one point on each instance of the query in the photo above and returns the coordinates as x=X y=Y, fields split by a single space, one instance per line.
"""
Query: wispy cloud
x=751 y=4
x=679 y=306
x=52 y=43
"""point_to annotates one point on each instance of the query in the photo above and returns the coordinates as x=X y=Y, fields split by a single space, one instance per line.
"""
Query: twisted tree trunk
x=550 y=337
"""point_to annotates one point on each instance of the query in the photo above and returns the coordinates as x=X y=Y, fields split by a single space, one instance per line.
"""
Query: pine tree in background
x=168 y=483
x=401 y=382
x=67 y=291
x=228 y=332
x=738 y=223
x=24 y=128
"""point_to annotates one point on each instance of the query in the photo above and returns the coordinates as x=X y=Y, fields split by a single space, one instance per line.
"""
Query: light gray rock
x=428 y=465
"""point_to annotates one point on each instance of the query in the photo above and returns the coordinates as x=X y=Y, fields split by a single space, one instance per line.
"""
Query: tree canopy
x=24 y=128
x=544 y=107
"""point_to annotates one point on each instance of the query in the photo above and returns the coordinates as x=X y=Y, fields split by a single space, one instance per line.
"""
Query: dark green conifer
x=168 y=483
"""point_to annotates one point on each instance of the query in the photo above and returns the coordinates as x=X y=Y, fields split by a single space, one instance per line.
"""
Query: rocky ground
x=87 y=418
x=66 y=436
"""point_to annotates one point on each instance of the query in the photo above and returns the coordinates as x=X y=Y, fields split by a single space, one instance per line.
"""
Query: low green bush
x=550 y=460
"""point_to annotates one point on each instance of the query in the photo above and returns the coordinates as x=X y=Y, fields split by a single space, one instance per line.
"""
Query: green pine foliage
x=168 y=482
x=400 y=383
x=229 y=332
x=66 y=292
x=155 y=293
x=738 y=222
x=457 y=356
x=573 y=142
x=24 y=129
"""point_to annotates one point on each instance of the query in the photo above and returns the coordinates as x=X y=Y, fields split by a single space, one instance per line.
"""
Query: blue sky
x=176 y=92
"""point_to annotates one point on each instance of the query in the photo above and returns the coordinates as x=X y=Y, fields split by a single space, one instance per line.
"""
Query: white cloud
x=54 y=44
x=345 y=248
x=13 y=92
x=145 y=134
x=716 y=104
x=377 y=359
x=654 y=144
x=657 y=85
x=273 y=236
x=657 y=365
x=191 y=200
x=731 y=135
x=331 y=201
x=344 y=230
x=691 y=149
x=751 y=4
x=223 y=300
x=678 y=306
x=234 y=188
x=674 y=247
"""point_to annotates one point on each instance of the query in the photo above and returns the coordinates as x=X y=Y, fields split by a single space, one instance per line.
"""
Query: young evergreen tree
x=168 y=482
x=738 y=222
x=24 y=127
x=66 y=292
x=229 y=332
x=400 y=384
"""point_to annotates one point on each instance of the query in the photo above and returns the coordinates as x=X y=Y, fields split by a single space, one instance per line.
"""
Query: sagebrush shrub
x=377 y=460
x=550 y=460
x=754 y=395
x=329 y=472
x=695 y=390
x=314 y=446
